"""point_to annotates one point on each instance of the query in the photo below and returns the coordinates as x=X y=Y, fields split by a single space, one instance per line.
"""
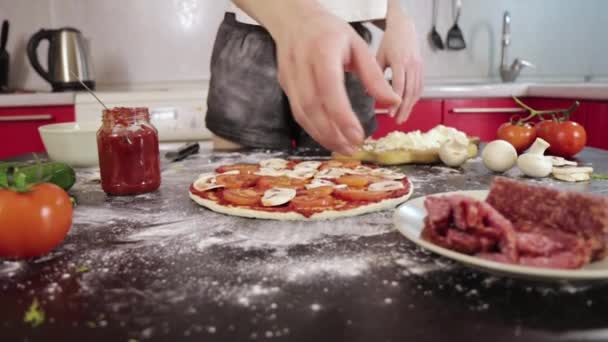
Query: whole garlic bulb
x=499 y=156
x=534 y=163
x=454 y=152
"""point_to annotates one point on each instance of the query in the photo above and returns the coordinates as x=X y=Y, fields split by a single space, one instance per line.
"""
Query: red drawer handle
x=15 y=118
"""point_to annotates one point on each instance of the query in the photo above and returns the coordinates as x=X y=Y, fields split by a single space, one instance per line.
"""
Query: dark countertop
x=158 y=267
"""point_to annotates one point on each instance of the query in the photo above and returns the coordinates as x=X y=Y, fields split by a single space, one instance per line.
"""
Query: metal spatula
x=455 y=40
x=434 y=37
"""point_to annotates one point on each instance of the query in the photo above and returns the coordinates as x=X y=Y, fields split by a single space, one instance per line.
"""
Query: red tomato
x=242 y=168
x=321 y=191
x=361 y=195
x=236 y=181
x=307 y=202
x=568 y=139
x=346 y=163
x=355 y=181
x=267 y=182
x=565 y=138
x=242 y=196
x=520 y=136
x=33 y=223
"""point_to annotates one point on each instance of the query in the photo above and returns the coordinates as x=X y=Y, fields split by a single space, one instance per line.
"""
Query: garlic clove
x=277 y=196
x=385 y=186
x=454 y=152
x=274 y=163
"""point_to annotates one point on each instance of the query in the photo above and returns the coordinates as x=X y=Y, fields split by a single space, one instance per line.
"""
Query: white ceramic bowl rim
x=70 y=127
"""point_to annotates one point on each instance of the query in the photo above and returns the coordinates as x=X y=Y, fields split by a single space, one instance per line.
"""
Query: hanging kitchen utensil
x=455 y=40
x=4 y=58
x=434 y=36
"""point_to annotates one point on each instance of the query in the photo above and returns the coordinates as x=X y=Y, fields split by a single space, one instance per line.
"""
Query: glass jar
x=127 y=143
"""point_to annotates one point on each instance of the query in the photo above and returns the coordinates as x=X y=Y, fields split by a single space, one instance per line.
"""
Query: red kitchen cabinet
x=19 y=127
x=479 y=117
x=596 y=124
x=425 y=115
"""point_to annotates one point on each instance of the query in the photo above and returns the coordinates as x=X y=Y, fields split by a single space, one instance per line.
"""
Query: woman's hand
x=400 y=51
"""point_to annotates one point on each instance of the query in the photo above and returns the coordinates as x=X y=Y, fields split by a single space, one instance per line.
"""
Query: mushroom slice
x=205 y=182
x=332 y=173
x=309 y=165
x=572 y=173
x=385 y=186
x=274 y=163
x=231 y=172
x=559 y=161
x=361 y=170
x=301 y=173
x=318 y=182
x=266 y=171
x=387 y=174
x=277 y=196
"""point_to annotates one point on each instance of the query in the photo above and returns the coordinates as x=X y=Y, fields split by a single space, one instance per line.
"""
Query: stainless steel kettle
x=68 y=59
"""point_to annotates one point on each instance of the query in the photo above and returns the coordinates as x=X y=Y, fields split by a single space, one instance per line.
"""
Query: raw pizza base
x=295 y=216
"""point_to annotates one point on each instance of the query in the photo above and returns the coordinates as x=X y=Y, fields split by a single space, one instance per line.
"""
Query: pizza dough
x=396 y=186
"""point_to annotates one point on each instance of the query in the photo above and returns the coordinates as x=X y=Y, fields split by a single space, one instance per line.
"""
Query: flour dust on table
x=160 y=267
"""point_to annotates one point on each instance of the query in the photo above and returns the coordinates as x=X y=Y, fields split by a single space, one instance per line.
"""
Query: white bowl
x=73 y=143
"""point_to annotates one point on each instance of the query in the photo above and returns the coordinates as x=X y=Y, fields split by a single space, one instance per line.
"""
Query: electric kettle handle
x=32 y=52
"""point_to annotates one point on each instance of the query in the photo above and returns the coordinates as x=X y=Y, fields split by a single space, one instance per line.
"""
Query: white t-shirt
x=349 y=10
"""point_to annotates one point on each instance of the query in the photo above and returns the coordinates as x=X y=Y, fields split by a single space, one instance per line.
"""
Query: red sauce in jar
x=127 y=143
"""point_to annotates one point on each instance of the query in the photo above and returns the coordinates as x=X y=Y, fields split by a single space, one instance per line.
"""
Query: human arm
x=400 y=50
x=314 y=49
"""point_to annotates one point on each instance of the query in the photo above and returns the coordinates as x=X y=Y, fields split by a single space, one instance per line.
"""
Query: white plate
x=409 y=220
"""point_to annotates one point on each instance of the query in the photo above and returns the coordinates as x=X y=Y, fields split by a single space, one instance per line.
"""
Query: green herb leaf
x=34 y=315
x=598 y=176
x=83 y=269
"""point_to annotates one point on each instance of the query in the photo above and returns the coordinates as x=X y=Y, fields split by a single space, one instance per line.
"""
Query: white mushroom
x=205 y=182
x=499 y=156
x=454 y=152
x=385 y=186
x=559 y=161
x=361 y=170
x=332 y=172
x=387 y=174
x=277 y=196
x=274 y=163
x=572 y=174
x=265 y=171
x=301 y=173
x=534 y=163
x=318 y=182
x=310 y=165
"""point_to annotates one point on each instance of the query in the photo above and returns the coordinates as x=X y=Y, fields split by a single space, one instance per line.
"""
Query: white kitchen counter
x=37 y=99
x=579 y=91
x=464 y=89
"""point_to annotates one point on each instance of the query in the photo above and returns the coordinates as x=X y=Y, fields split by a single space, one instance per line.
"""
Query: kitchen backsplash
x=139 y=42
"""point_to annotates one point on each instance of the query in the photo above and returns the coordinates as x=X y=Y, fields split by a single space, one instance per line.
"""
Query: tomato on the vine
x=521 y=136
x=33 y=222
x=565 y=139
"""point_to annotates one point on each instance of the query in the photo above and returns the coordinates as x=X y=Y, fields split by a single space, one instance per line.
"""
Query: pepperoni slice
x=248 y=197
x=321 y=191
x=354 y=181
x=311 y=202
